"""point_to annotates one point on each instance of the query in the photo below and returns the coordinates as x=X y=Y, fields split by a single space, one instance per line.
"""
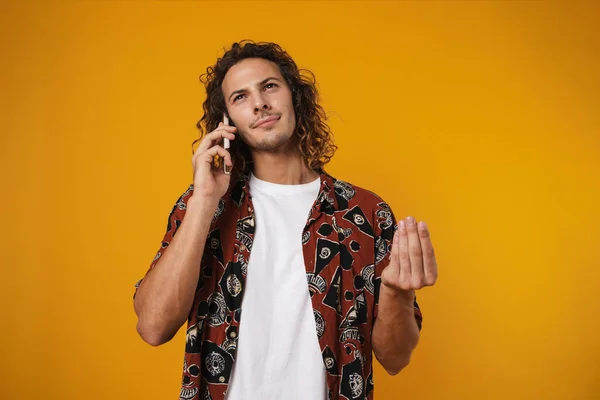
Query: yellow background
x=482 y=118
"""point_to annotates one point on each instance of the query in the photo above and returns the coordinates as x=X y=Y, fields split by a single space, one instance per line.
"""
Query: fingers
x=415 y=253
x=394 y=266
x=395 y=246
x=404 y=258
x=430 y=264
x=222 y=131
x=209 y=155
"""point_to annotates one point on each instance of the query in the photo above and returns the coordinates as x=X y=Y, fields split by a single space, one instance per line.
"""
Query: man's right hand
x=166 y=294
x=211 y=182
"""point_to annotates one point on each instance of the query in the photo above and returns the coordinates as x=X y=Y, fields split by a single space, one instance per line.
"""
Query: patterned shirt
x=346 y=244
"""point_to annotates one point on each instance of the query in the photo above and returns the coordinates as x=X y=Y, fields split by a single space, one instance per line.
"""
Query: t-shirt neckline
x=281 y=189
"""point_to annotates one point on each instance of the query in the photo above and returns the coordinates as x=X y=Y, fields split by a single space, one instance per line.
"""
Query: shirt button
x=249 y=209
x=221 y=379
x=233 y=334
x=243 y=248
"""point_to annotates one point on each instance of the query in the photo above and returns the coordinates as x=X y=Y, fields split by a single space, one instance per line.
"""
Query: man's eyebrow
x=258 y=84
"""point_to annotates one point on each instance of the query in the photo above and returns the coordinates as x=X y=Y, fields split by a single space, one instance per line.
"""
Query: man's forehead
x=250 y=72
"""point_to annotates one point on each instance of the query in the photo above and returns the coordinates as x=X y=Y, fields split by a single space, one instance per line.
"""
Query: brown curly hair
x=315 y=137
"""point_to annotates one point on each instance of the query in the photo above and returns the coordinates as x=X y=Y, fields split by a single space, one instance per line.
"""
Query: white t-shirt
x=278 y=354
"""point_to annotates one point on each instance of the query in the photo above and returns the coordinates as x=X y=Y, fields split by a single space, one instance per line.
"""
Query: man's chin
x=270 y=142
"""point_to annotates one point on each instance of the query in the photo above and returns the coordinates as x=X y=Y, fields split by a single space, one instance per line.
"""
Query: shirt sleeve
x=173 y=222
x=384 y=229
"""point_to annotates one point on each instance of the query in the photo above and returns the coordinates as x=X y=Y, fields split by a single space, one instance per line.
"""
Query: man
x=317 y=266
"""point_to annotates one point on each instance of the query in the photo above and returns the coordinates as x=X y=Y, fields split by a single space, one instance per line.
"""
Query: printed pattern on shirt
x=346 y=244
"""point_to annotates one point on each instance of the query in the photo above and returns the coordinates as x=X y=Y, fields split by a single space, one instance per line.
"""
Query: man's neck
x=283 y=169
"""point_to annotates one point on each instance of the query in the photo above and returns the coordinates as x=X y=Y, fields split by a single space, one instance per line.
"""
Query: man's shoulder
x=360 y=204
x=358 y=195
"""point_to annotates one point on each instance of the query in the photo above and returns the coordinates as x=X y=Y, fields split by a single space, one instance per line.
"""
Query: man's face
x=254 y=91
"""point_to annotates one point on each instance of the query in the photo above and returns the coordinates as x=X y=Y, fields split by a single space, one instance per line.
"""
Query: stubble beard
x=271 y=141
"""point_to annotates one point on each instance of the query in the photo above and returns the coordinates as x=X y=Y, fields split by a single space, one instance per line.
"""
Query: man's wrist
x=399 y=296
x=202 y=205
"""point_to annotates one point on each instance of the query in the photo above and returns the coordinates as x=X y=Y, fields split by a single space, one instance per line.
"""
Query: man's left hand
x=412 y=262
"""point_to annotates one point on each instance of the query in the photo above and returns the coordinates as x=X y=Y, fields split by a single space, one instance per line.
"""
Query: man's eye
x=267 y=86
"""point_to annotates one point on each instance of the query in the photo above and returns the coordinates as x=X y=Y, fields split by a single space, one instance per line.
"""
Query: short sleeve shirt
x=346 y=244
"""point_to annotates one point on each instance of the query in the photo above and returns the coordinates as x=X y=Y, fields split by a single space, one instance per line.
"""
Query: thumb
x=395 y=245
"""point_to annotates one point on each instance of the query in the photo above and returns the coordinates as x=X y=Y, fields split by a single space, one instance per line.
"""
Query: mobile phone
x=226 y=144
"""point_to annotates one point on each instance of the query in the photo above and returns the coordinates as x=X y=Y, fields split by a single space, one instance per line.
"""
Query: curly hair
x=315 y=137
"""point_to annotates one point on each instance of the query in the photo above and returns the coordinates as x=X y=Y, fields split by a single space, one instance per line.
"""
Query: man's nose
x=260 y=104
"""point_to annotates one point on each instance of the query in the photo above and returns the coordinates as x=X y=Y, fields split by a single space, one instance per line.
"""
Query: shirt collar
x=326 y=198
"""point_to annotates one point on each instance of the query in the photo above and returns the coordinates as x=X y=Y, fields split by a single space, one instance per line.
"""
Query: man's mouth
x=270 y=120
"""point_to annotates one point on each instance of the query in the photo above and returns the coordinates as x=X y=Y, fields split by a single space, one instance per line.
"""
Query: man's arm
x=409 y=264
x=165 y=296
x=395 y=333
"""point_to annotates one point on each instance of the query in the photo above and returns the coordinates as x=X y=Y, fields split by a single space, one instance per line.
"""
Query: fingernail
x=410 y=221
x=402 y=226
x=422 y=226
